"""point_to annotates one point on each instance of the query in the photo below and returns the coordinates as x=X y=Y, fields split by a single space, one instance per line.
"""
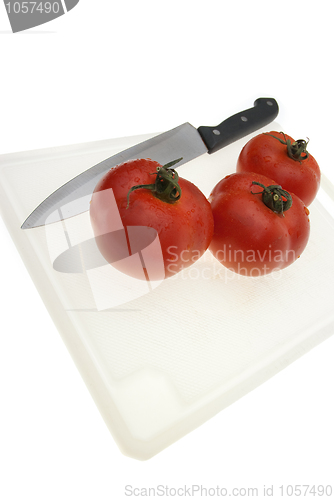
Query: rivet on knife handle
x=239 y=125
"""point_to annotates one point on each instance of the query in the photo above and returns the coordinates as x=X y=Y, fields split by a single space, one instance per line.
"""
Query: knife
x=183 y=141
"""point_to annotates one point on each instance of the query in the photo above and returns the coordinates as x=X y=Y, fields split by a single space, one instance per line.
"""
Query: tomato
x=278 y=156
x=253 y=238
x=148 y=222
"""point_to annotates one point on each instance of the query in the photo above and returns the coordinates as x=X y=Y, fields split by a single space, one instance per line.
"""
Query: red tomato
x=148 y=222
x=278 y=156
x=249 y=237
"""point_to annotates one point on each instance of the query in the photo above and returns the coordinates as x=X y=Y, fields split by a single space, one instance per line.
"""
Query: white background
x=117 y=68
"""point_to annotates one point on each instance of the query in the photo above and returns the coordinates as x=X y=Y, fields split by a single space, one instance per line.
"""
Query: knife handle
x=237 y=126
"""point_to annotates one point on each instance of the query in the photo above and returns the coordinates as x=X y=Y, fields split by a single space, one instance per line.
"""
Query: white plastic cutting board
x=161 y=360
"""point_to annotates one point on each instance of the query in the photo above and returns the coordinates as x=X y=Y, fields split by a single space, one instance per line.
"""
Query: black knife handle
x=237 y=126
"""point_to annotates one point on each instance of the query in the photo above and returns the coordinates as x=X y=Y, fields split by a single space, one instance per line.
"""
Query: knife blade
x=183 y=141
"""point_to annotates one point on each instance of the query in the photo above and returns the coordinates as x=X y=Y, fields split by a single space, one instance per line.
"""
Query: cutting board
x=160 y=359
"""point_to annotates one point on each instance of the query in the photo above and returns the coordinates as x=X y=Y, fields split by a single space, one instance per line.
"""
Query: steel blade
x=74 y=197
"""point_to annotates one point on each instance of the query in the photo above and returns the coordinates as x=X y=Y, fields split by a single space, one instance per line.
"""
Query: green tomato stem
x=165 y=187
x=297 y=150
x=272 y=197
